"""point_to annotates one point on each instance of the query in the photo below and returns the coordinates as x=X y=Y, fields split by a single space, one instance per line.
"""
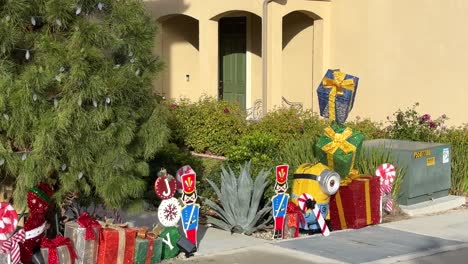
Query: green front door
x=232 y=62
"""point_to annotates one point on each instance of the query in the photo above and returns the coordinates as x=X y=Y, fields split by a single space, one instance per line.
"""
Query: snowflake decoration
x=170 y=212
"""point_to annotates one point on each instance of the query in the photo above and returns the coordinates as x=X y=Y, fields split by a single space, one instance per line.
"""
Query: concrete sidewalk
x=398 y=241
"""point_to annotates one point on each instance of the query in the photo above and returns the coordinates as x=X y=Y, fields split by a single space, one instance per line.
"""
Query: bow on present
x=337 y=86
x=53 y=244
x=338 y=142
x=88 y=222
x=293 y=221
x=11 y=246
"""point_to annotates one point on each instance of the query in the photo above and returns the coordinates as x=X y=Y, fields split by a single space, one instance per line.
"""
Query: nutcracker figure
x=280 y=200
x=191 y=209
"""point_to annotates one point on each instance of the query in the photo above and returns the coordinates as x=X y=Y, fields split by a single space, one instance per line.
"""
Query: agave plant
x=239 y=198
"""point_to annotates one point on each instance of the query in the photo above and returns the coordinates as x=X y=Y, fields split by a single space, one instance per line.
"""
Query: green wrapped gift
x=170 y=236
x=338 y=148
x=148 y=250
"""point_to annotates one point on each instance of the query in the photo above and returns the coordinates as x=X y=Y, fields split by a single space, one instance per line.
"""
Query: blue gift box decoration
x=336 y=95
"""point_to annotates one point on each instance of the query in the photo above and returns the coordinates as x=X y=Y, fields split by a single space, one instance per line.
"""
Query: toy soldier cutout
x=191 y=209
x=280 y=200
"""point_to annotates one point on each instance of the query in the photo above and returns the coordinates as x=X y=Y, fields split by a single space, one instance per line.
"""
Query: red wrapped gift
x=295 y=217
x=117 y=244
x=357 y=203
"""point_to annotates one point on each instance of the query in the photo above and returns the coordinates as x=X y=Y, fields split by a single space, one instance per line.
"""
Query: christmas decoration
x=38 y=200
x=169 y=212
x=191 y=209
x=148 y=247
x=117 y=243
x=295 y=218
x=387 y=174
x=8 y=220
x=184 y=170
x=58 y=250
x=339 y=147
x=336 y=95
x=280 y=200
x=169 y=237
x=62 y=99
x=357 y=203
x=10 y=247
x=165 y=186
x=312 y=187
x=84 y=233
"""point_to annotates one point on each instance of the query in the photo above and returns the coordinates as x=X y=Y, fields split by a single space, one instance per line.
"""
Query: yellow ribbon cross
x=338 y=142
x=337 y=86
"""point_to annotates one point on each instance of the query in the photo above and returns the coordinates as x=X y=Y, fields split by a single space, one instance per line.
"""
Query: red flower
x=174 y=106
x=432 y=124
x=226 y=111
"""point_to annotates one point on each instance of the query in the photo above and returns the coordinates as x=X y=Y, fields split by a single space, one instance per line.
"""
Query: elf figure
x=280 y=200
x=39 y=199
x=191 y=209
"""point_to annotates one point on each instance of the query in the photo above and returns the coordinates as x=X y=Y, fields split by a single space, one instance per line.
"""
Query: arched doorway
x=239 y=57
x=179 y=49
x=301 y=33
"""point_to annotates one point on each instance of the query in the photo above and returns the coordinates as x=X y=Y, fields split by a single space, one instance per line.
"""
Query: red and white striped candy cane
x=387 y=174
x=302 y=200
x=8 y=220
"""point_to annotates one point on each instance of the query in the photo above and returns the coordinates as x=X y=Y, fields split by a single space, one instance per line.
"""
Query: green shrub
x=369 y=128
x=171 y=158
x=283 y=123
x=257 y=146
x=314 y=124
x=410 y=125
x=207 y=126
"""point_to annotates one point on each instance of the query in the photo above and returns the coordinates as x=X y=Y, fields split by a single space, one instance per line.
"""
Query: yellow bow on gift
x=338 y=142
x=337 y=84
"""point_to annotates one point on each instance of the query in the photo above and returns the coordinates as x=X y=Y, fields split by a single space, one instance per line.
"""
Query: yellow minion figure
x=313 y=185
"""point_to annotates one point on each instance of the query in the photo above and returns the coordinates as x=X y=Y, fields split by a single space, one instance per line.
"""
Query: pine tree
x=77 y=107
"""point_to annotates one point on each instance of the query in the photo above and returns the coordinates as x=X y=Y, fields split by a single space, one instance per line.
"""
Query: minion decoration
x=280 y=200
x=320 y=182
x=190 y=211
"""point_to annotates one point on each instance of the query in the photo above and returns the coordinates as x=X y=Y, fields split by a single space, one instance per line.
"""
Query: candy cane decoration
x=318 y=214
x=8 y=220
x=387 y=174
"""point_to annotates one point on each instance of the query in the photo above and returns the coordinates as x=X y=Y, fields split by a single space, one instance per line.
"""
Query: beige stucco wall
x=298 y=45
x=207 y=12
x=404 y=52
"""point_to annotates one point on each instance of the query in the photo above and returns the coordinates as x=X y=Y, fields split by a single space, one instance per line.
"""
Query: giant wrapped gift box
x=336 y=94
x=356 y=204
x=117 y=244
x=148 y=247
x=339 y=148
x=58 y=250
x=84 y=234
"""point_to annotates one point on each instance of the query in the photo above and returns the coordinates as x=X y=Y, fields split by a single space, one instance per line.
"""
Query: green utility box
x=426 y=165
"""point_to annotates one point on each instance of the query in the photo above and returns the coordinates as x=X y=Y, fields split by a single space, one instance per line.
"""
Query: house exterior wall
x=404 y=52
x=208 y=12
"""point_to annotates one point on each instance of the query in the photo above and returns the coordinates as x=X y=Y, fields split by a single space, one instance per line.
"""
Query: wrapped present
x=117 y=244
x=169 y=237
x=357 y=203
x=336 y=95
x=148 y=247
x=58 y=250
x=338 y=148
x=84 y=234
x=294 y=218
